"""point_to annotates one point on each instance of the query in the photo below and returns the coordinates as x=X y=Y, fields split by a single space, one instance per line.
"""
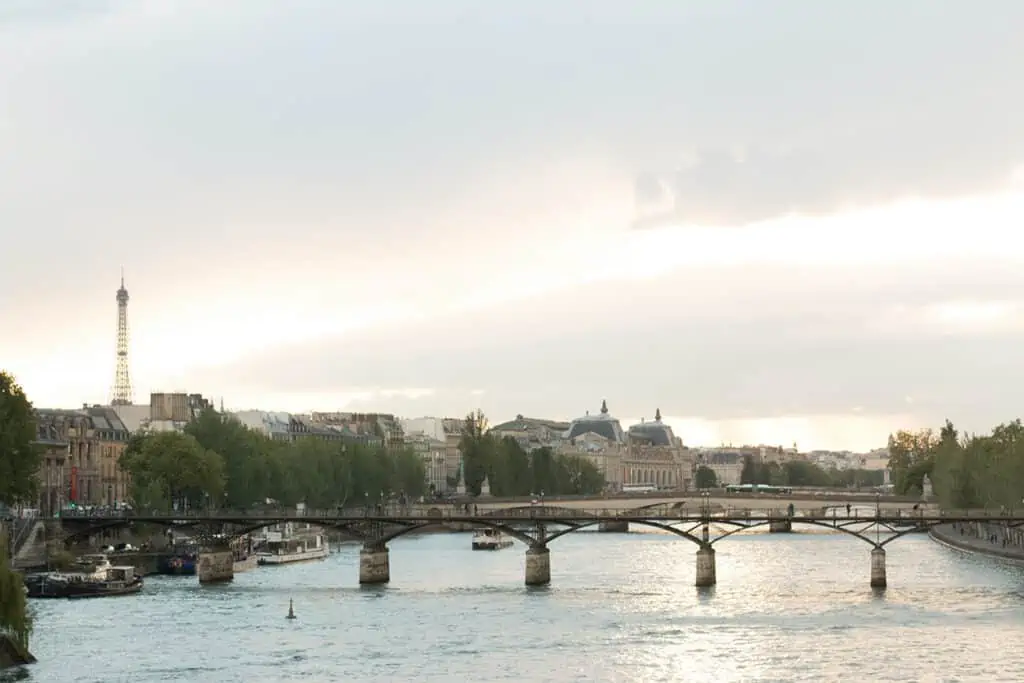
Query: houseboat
x=290 y=544
x=490 y=539
x=92 y=576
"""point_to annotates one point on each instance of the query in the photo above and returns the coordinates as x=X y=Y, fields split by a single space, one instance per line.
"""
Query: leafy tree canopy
x=19 y=455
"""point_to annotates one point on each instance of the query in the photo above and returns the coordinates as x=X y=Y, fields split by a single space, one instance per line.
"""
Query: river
x=621 y=607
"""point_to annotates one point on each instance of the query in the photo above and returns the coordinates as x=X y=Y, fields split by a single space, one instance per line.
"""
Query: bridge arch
x=643 y=522
x=504 y=528
x=342 y=526
x=917 y=528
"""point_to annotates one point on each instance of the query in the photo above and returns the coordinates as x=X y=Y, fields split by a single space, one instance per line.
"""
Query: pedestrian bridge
x=537 y=526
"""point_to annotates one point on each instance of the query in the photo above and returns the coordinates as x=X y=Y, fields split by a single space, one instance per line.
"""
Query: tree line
x=806 y=474
x=966 y=470
x=218 y=461
x=512 y=471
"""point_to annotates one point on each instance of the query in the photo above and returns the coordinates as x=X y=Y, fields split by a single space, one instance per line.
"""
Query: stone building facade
x=92 y=441
x=656 y=457
x=601 y=440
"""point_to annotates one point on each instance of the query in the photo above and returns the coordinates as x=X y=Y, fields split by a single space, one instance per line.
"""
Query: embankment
x=985 y=538
x=12 y=654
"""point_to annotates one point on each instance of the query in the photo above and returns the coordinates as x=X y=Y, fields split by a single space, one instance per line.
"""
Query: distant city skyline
x=335 y=205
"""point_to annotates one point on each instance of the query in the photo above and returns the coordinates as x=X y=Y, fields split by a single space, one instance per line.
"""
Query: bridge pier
x=780 y=526
x=538 y=566
x=614 y=526
x=706 y=567
x=878 y=568
x=216 y=565
x=374 y=564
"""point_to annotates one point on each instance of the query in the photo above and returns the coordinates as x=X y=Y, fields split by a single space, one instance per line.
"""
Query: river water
x=621 y=607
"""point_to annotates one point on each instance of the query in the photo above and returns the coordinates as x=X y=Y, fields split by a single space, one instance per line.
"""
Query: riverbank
x=985 y=538
x=12 y=654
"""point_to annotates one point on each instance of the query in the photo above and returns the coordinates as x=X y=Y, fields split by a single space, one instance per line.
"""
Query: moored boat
x=179 y=563
x=286 y=550
x=93 y=577
x=490 y=539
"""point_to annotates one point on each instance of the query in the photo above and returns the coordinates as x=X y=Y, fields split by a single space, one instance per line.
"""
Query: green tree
x=750 y=473
x=246 y=454
x=15 y=619
x=544 y=471
x=19 y=455
x=170 y=468
x=705 y=478
x=911 y=455
x=478 y=451
x=511 y=474
x=581 y=476
x=410 y=473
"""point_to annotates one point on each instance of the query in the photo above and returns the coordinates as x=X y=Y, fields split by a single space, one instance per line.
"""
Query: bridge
x=537 y=526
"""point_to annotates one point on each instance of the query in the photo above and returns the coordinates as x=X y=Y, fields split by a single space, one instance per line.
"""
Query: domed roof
x=656 y=433
x=602 y=424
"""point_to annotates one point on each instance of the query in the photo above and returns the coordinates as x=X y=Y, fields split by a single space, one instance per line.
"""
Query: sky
x=779 y=222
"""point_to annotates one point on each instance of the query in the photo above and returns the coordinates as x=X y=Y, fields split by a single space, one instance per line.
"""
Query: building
x=655 y=457
x=94 y=438
x=532 y=433
x=165 y=412
x=433 y=453
x=452 y=428
x=726 y=463
x=273 y=425
x=52 y=476
x=601 y=440
x=384 y=426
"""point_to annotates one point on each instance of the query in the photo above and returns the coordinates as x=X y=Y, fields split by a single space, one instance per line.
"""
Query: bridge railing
x=411 y=512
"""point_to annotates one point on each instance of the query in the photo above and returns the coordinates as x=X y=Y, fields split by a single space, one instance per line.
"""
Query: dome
x=655 y=433
x=602 y=424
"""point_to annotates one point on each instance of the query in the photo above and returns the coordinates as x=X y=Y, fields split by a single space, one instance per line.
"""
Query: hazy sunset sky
x=427 y=207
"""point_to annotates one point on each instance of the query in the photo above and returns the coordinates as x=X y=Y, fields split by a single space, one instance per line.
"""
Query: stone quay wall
x=984 y=537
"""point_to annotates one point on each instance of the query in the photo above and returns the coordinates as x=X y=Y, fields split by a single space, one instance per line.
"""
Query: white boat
x=490 y=539
x=288 y=549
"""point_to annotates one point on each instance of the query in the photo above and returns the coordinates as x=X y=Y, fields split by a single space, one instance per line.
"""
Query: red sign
x=74 y=484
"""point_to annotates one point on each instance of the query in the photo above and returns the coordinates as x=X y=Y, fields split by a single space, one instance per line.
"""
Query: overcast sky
x=429 y=207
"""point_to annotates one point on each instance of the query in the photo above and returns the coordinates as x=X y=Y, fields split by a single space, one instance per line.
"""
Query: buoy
x=291 y=609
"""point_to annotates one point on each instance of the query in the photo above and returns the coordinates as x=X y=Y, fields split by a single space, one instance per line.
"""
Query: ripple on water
x=792 y=607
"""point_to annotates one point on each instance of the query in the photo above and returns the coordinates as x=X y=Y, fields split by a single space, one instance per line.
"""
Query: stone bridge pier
x=216 y=563
x=878 y=567
x=538 y=565
x=706 y=567
x=374 y=564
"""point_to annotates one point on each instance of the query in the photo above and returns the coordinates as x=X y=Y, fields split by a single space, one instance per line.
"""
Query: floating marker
x=291 y=609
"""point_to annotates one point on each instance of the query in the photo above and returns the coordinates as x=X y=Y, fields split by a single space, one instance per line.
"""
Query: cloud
x=282 y=174
x=696 y=343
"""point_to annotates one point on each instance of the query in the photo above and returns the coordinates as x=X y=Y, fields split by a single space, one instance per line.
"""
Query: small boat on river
x=92 y=576
x=490 y=539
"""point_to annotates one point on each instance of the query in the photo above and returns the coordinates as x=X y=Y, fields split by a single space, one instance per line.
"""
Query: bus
x=759 y=488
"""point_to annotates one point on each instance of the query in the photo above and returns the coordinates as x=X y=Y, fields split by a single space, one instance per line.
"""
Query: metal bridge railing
x=671 y=512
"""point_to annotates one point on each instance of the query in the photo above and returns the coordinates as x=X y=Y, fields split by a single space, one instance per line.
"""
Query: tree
x=173 y=470
x=749 y=474
x=478 y=450
x=910 y=459
x=19 y=455
x=15 y=619
x=246 y=455
x=705 y=478
x=969 y=471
